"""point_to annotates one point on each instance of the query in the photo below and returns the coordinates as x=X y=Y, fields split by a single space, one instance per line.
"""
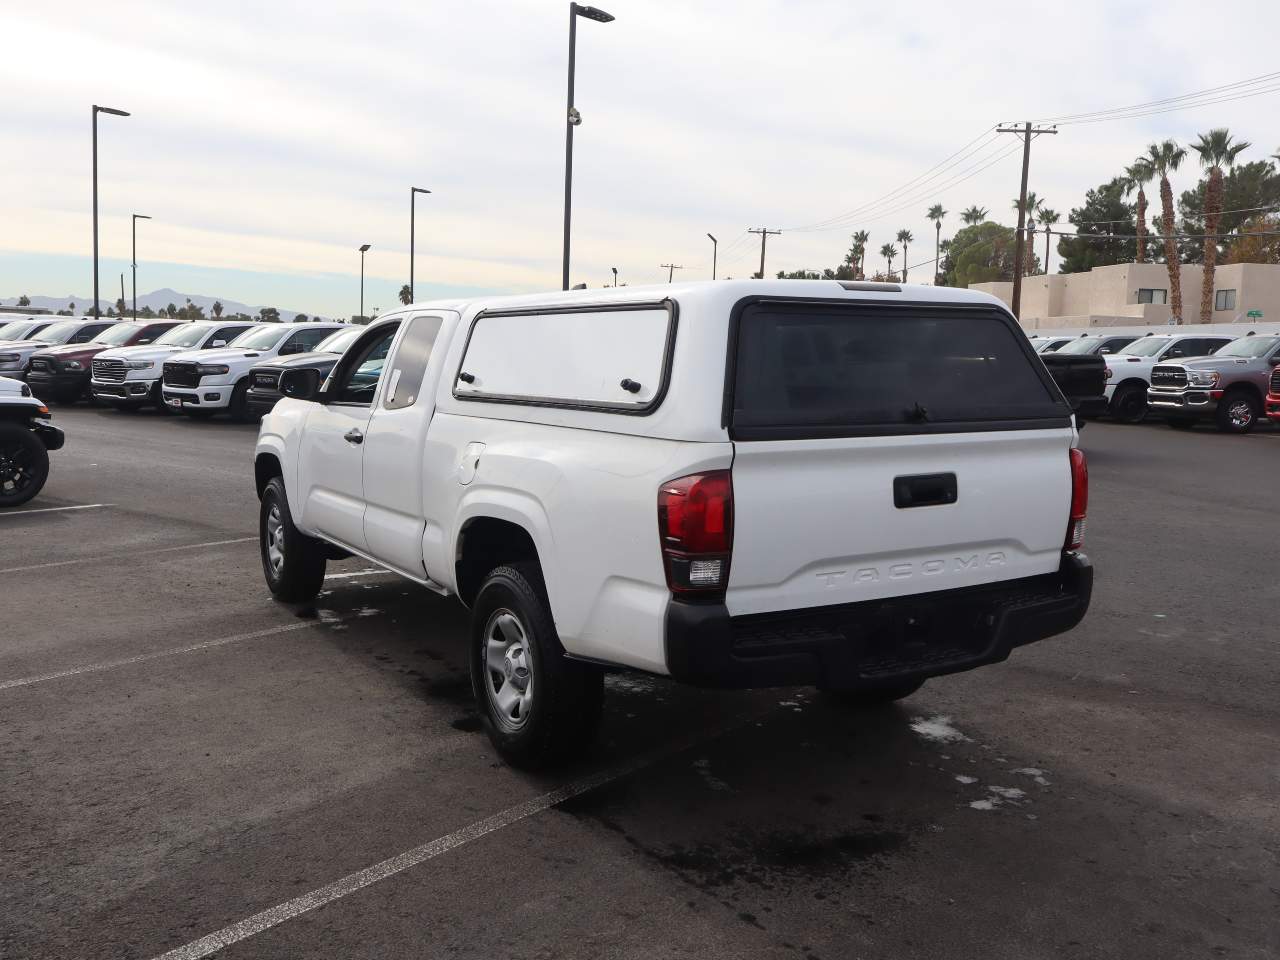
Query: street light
x=115 y=113
x=136 y=218
x=364 y=248
x=413 y=195
x=571 y=120
x=715 y=247
x=615 y=275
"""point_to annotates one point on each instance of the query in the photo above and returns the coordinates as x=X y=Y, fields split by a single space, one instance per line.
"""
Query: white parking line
x=83 y=506
x=220 y=939
x=112 y=664
x=121 y=556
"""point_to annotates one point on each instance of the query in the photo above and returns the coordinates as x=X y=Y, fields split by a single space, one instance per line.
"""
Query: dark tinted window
x=410 y=364
x=355 y=379
x=305 y=341
x=89 y=332
x=227 y=334
x=820 y=371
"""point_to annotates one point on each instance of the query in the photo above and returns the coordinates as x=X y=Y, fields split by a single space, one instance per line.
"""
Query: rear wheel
x=538 y=706
x=1129 y=405
x=872 y=697
x=24 y=464
x=292 y=562
x=1237 y=412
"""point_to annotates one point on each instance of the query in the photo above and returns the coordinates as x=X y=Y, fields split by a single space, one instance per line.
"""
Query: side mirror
x=218 y=343
x=301 y=384
x=1105 y=350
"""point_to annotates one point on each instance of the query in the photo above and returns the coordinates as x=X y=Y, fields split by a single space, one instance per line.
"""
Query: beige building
x=1129 y=294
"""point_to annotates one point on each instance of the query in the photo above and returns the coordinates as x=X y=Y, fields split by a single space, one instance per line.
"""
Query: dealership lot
x=184 y=757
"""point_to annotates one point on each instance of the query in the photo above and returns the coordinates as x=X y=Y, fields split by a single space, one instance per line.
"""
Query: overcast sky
x=270 y=140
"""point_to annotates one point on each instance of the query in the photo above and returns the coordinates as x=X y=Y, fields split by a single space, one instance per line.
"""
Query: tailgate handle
x=924 y=490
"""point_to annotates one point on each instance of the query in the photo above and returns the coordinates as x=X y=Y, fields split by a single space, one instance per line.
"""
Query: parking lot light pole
x=572 y=119
x=413 y=195
x=115 y=113
x=615 y=276
x=364 y=248
x=136 y=218
x=715 y=247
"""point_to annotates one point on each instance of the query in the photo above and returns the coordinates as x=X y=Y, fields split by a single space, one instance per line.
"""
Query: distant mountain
x=156 y=300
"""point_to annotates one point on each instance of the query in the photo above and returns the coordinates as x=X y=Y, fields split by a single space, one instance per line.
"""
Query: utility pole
x=764 y=232
x=1026 y=130
x=671 y=269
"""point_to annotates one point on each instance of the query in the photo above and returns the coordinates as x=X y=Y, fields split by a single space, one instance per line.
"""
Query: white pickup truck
x=742 y=483
x=1129 y=368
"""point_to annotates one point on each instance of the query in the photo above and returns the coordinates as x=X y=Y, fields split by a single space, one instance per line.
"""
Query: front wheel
x=1237 y=413
x=1130 y=404
x=292 y=562
x=24 y=464
x=539 y=707
x=239 y=405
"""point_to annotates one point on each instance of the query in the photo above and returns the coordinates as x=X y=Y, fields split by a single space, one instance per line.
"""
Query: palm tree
x=905 y=238
x=1136 y=177
x=1216 y=151
x=71 y=307
x=216 y=309
x=974 y=215
x=936 y=213
x=860 y=240
x=1165 y=157
x=889 y=251
x=406 y=295
x=1034 y=204
x=1047 y=219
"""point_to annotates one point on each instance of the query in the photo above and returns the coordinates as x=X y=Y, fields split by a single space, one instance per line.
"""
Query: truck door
x=393 y=447
x=331 y=467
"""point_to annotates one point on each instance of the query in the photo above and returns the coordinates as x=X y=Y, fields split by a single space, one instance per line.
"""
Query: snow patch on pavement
x=937 y=729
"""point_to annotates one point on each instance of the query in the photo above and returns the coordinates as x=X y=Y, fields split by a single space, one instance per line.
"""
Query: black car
x=264 y=379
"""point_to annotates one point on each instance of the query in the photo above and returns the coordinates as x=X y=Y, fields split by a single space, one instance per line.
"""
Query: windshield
x=187 y=335
x=1248 y=347
x=59 y=332
x=116 y=335
x=1081 y=345
x=20 y=331
x=258 y=339
x=1146 y=347
x=339 y=342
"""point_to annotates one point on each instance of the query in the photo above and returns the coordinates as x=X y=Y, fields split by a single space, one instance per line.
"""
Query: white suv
x=741 y=483
x=201 y=383
x=1129 y=368
x=129 y=377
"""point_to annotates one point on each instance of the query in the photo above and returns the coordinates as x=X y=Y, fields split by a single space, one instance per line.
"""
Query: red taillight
x=1079 y=500
x=695 y=528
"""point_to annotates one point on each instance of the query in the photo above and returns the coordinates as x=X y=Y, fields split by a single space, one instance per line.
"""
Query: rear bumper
x=876 y=642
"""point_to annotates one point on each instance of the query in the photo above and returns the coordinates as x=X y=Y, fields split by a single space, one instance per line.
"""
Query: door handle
x=353 y=436
x=925 y=490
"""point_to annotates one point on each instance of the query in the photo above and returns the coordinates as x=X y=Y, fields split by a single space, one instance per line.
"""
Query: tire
x=1237 y=412
x=292 y=562
x=239 y=405
x=554 y=715
x=24 y=464
x=156 y=398
x=873 y=697
x=1181 y=423
x=1129 y=405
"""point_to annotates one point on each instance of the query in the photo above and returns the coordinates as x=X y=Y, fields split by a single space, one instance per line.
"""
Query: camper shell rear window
x=813 y=369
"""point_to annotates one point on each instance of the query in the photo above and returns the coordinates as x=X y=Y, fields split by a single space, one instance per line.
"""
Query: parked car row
x=198 y=368
x=1231 y=381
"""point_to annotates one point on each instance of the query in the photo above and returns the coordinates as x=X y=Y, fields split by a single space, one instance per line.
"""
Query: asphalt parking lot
x=189 y=766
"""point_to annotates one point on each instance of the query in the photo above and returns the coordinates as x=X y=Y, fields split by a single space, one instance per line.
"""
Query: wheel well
x=265 y=468
x=1132 y=382
x=1248 y=388
x=486 y=543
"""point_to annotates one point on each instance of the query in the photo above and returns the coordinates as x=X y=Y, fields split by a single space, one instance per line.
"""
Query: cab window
x=410 y=364
x=356 y=377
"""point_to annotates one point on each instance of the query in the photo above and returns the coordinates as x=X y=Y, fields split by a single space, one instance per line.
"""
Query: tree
x=1258 y=242
x=1165 y=157
x=1104 y=216
x=973 y=215
x=1047 y=219
x=905 y=238
x=406 y=295
x=170 y=311
x=301 y=318
x=269 y=315
x=889 y=251
x=936 y=213
x=1034 y=204
x=71 y=308
x=860 y=241
x=1216 y=151
x=24 y=301
x=800 y=275
x=1136 y=177
x=1248 y=189
x=216 y=309
x=120 y=306
x=980 y=253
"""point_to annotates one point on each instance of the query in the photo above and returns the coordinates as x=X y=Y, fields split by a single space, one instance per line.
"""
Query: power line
x=1082 y=117
x=671 y=269
x=1024 y=132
